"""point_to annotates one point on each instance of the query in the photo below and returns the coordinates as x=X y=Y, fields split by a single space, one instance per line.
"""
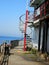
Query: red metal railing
x=25 y=28
x=44 y=10
x=47 y=7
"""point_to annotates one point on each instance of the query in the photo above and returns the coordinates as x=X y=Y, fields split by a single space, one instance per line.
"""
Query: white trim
x=32 y=1
x=36 y=21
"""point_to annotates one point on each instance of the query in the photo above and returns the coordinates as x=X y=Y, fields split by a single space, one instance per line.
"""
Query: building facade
x=41 y=23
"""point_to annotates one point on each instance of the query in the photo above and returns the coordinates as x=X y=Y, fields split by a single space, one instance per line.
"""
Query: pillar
x=45 y=34
x=39 y=36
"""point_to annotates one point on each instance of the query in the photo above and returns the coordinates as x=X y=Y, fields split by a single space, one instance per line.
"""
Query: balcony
x=36 y=3
x=33 y=3
x=37 y=14
x=42 y=11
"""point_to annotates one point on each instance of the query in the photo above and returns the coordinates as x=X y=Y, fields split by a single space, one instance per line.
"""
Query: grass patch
x=27 y=52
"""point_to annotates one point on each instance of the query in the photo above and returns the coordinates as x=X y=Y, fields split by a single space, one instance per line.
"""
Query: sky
x=10 y=11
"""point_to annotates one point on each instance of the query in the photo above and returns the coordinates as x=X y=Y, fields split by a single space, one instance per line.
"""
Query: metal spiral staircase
x=29 y=26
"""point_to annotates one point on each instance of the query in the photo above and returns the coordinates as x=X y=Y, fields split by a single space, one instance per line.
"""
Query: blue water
x=7 y=39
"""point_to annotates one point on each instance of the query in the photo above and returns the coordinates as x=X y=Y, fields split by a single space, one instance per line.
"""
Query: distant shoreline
x=9 y=38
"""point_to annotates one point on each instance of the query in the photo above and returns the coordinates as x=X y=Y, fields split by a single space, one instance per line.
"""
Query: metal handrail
x=22 y=22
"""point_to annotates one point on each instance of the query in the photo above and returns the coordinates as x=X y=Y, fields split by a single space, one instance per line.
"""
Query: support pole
x=39 y=36
x=43 y=41
x=25 y=28
x=45 y=34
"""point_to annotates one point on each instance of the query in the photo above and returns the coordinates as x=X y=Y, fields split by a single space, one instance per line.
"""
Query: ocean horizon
x=9 y=38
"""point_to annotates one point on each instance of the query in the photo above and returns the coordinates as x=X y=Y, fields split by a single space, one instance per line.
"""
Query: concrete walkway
x=15 y=59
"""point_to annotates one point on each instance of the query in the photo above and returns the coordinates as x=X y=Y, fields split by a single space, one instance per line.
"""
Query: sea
x=8 y=39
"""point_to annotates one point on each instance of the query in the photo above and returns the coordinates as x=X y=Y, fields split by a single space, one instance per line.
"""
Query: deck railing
x=44 y=10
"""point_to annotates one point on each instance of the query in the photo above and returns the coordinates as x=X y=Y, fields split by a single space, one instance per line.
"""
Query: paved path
x=15 y=59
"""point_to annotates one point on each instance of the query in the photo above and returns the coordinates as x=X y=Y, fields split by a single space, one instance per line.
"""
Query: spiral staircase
x=29 y=26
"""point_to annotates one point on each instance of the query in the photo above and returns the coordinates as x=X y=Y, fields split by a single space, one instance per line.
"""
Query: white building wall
x=21 y=43
x=35 y=37
x=47 y=39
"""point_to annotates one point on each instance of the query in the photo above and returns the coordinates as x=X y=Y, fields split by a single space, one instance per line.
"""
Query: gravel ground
x=16 y=59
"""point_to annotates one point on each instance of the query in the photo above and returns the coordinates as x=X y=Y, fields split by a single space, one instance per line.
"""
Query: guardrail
x=1 y=58
x=4 y=54
x=4 y=59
